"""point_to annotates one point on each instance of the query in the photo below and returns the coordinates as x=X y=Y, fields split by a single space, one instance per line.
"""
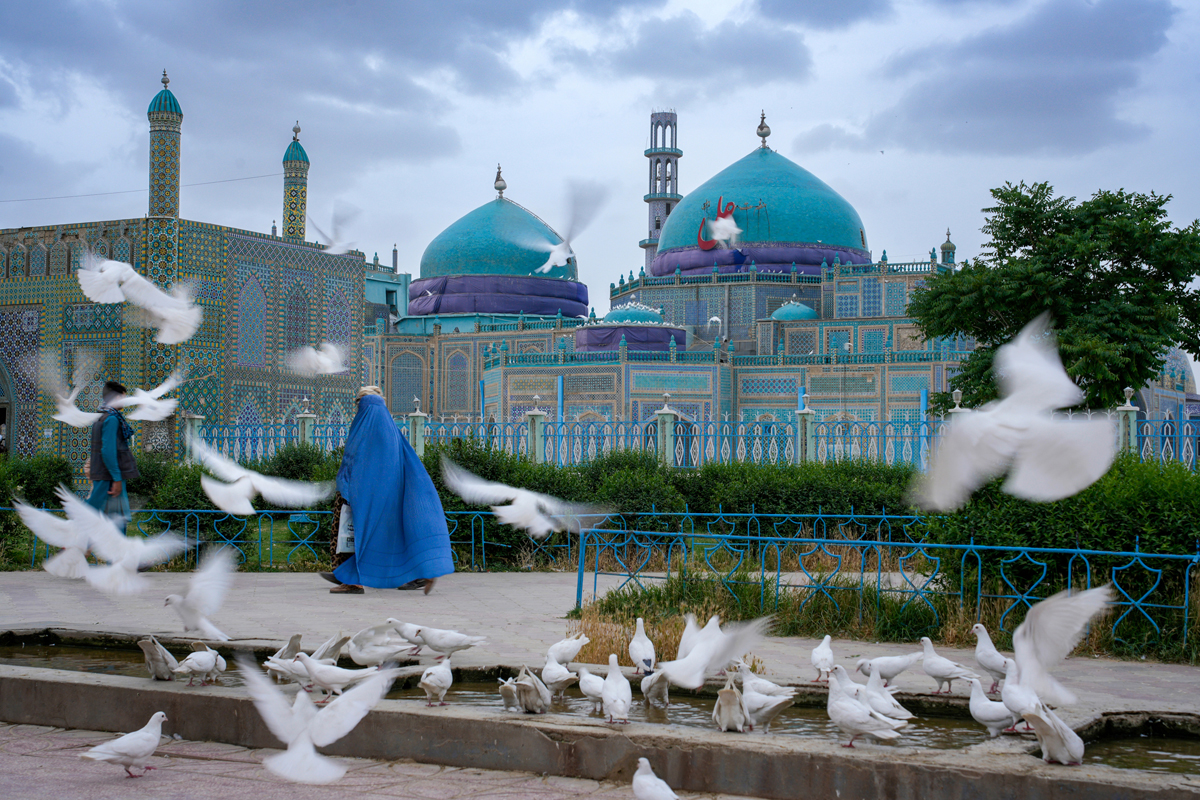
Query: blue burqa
x=400 y=529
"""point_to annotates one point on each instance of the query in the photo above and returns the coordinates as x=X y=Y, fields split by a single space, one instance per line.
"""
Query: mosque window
x=296 y=330
x=657 y=223
x=251 y=324
x=862 y=235
x=406 y=373
x=58 y=258
x=668 y=209
x=456 y=383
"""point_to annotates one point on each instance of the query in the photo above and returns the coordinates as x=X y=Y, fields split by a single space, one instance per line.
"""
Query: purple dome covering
x=765 y=257
x=592 y=338
x=497 y=294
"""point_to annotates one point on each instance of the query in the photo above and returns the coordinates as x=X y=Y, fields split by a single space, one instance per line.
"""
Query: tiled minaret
x=166 y=120
x=295 y=187
x=664 y=155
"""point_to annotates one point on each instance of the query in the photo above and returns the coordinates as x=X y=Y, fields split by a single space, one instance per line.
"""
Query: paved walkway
x=520 y=613
x=38 y=763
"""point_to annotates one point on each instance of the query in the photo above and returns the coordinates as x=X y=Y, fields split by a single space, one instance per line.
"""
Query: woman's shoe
x=416 y=584
x=347 y=588
x=330 y=577
x=429 y=585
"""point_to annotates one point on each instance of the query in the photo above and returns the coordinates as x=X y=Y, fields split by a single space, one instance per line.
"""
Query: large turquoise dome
x=498 y=238
x=787 y=215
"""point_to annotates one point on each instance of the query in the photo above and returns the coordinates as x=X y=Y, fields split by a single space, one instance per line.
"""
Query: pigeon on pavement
x=132 y=749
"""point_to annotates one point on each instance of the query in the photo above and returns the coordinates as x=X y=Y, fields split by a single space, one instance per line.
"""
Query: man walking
x=112 y=464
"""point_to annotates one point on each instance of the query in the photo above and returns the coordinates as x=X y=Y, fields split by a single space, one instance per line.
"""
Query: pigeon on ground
x=713 y=648
x=566 y=650
x=71 y=561
x=617 y=696
x=1046 y=458
x=159 y=661
x=881 y=700
x=285 y=653
x=656 y=689
x=372 y=646
x=848 y=685
x=888 y=666
x=592 y=687
x=409 y=633
x=50 y=378
x=198 y=662
x=537 y=514
x=557 y=677
x=532 y=694
x=447 y=642
x=302 y=727
x=338 y=244
x=238 y=486
x=987 y=656
x=326 y=359
x=330 y=678
x=857 y=719
x=943 y=670
x=508 y=694
x=214 y=674
x=760 y=684
x=125 y=555
x=991 y=714
x=150 y=406
x=1060 y=744
x=641 y=650
x=728 y=712
x=585 y=200
x=822 y=658
x=206 y=591
x=132 y=749
x=175 y=315
x=761 y=709
x=436 y=681
x=648 y=786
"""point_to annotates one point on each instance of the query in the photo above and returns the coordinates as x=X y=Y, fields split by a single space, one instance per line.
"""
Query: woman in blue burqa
x=400 y=535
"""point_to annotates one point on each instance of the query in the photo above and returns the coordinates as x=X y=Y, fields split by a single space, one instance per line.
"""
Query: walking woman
x=400 y=535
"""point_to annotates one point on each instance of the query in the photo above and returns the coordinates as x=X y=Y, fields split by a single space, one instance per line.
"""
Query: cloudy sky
x=911 y=109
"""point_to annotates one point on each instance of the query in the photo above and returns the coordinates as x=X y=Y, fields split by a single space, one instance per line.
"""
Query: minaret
x=948 y=249
x=664 y=155
x=166 y=120
x=295 y=187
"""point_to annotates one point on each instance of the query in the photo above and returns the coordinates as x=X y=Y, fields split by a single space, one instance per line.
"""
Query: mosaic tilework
x=908 y=383
x=58 y=258
x=873 y=340
x=84 y=317
x=695 y=382
x=251 y=324
x=295 y=199
x=872 y=298
x=585 y=384
x=780 y=385
x=852 y=384
x=248 y=413
x=457 y=382
x=37 y=259
x=768 y=414
x=836 y=341
x=19 y=329
x=17 y=260
x=338 y=324
x=904 y=414
x=531 y=385
x=405 y=374
x=297 y=324
x=802 y=342
x=895 y=302
x=847 y=306
x=164 y=165
x=588 y=412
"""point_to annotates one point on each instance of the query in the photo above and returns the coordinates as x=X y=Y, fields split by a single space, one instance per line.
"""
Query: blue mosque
x=793 y=312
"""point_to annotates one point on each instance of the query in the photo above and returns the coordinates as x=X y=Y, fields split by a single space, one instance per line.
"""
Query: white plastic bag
x=345 y=538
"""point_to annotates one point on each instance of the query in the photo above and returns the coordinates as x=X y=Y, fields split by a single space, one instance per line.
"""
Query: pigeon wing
x=100 y=279
x=1060 y=458
x=271 y=703
x=106 y=540
x=173 y=380
x=1049 y=633
x=51 y=529
x=339 y=717
x=1030 y=371
x=224 y=468
x=210 y=583
x=473 y=489
x=304 y=361
x=233 y=498
x=288 y=493
x=973 y=449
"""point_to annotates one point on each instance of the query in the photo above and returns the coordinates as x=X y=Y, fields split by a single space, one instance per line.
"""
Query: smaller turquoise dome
x=792 y=311
x=164 y=101
x=295 y=152
x=633 y=314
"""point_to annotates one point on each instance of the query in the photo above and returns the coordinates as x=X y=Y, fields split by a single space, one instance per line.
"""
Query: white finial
x=764 y=130
x=165 y=79
x=500 y=185
x=296 y=131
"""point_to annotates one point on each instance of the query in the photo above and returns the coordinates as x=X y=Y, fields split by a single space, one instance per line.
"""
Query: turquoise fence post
x=666 y=432
x=1127 y=424
x=806 y=432
x=307 y=423
x=416 y=431
x=923 y=435
x=536 y=419
x=191 y=425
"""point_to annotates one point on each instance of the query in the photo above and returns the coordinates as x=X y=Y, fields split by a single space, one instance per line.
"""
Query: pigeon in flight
x=150 y=405
x=326 y=359
x=238 y=486
x=72 y=537
x=584 y=201
x=338 y=244
x=87 y=364
x=174 y=314
x=206 y=591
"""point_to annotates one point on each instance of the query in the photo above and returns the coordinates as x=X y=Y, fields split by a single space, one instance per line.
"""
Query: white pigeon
x=723 y=229
x=326 y=359
x=713 y=648
x=987 y=656
x=690 y=631
x=888 y=666
x=822 y=658
x=50 y=377
x=648 y=786
x=331 y=648
x=71 y=561
x=150 y=405
x=641 y=650
x=436 y=681
x=656 y=689
x=508 y=694
x=584 y=201
x=557 y=677
x=132 y=749
x=592 y=687
x=302 y=727
x=175 y=314
x=762 y=709
x=991 y=714
x=565 y=651
x=218 y=669
x=760 y=684
x=125 y=554
x=330 y=678
x=1059 y=743
x=284 y=663
x=1046 y=458
x=880 y=699
x=285 y=654
x=1017 y=698
x=198 y=662
x=847 y=684
x=206 y=591
x=532 y=694
x=941 y=669
x=159 y=661
x=238 y=486
x=1049 y=633
x=537 y=514
x=338 y=244
x=447 y=642
x=857 y=719
x=409 y=633
x=728 y=712
x=617 y=696
x=372 y=646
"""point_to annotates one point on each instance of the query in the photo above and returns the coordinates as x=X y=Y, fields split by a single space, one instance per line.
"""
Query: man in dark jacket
x=111 y=465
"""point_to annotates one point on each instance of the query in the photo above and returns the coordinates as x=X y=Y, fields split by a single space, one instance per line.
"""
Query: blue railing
x=332 y=435
x=579 y=442
x=889 y=442
x=250 y=442
x=510 y=437
x=1169 y=440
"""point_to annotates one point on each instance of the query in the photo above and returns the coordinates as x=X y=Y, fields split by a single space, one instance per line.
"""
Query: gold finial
x=165 y=79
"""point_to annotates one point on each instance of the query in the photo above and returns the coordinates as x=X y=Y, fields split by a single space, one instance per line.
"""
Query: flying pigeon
x=50 y=377
x=150 y=405
x=343 y=213
x=584 y=199
x=714 y=647
x=326 y=359
x=617 y=696
x=537 y=514
x=71 y=561
x=175 y=314
x=206 y=591
x=242 y=485
x=132 y=749
x=1046 y=458
x=125 y=554
x=641 y=649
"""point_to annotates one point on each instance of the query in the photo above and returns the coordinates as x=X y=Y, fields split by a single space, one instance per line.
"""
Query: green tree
x=1111 y=270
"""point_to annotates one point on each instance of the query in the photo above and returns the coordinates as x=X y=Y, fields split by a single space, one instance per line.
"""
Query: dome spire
x=296 y=131
x=499 y=185
x=764 y=130
x=165 y=80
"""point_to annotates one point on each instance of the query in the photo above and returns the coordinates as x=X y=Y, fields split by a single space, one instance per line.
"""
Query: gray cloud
x=824 y=13
x=1049 y=82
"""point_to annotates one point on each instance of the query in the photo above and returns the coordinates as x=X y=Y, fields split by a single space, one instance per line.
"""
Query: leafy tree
x=1111 y=270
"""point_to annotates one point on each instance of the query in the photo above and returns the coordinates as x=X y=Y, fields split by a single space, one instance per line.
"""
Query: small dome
x=164 y=101
x=295 y=151
x=498 y=238
x=792 y=311
x=948 y=245
x=633 y=314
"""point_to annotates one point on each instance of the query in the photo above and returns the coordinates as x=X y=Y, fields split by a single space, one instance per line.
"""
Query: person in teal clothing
x=112 y=464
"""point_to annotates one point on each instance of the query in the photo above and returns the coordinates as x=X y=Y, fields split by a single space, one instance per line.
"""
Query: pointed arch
x=249 y=414
x=38 y=257
x=457 y=378
x=406 y=374
x=58 y=258
x=17 y=261
x=251 y=324
x=297 y=327
x=339 y=322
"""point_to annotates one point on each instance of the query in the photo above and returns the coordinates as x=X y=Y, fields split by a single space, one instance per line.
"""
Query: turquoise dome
x=295 y=152
x=498 y=238
x=787 y=204
x=633 y=314
x=165 y=101
x=792 y=311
